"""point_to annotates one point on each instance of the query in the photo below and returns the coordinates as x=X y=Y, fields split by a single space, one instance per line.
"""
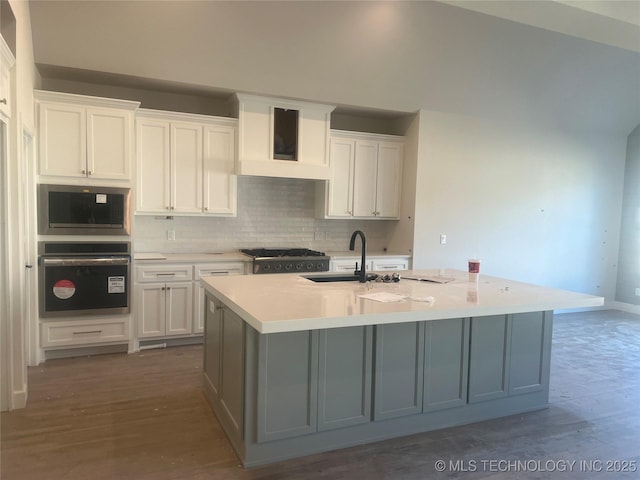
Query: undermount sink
x=332 y=278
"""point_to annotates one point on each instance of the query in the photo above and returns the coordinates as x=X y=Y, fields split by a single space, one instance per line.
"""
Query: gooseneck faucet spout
x=352 y=245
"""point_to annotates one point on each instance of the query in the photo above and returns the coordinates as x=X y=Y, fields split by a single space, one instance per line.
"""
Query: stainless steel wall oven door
x=84 y=278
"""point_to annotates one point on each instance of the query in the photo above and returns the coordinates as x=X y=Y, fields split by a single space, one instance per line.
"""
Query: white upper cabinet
x=366 y=177
x=84 y=137
x=282 y=138
x=7 y=61
x=340 y=184
x=219 y=193
x=186 y=167
x=185 y=164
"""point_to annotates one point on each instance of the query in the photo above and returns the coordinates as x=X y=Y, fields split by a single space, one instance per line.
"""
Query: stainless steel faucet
x=352 y=244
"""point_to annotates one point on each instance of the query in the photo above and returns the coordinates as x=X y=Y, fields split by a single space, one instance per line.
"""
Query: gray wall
x=629 y=259
x=535 y=204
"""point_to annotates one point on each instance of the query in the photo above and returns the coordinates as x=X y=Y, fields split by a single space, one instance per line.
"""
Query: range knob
x=278 y=267
x=288 y=267
x=309 y=266
x=266 y=267
x=299 y=266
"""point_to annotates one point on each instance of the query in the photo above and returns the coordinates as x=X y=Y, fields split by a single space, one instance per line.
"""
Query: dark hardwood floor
x=144 y=416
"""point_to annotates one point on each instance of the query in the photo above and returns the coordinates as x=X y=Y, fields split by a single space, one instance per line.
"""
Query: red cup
x=474 y=265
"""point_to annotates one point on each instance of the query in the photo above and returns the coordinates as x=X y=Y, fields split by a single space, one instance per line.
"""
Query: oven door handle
x=85 y=261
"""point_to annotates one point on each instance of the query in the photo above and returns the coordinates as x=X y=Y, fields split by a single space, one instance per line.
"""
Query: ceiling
x=570 y=65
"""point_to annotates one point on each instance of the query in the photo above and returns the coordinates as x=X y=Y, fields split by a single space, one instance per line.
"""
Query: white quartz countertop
x=157 y=257
x=289 y=302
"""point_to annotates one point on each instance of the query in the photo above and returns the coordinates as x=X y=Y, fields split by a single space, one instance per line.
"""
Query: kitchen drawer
x=164 y=273
x=394 y=264
x=81 y=332
x=213 y=269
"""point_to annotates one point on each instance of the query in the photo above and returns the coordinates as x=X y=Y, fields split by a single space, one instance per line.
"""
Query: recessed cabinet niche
x=84 y=137
x=366 y=177
x=185 y=164
x=282 y=138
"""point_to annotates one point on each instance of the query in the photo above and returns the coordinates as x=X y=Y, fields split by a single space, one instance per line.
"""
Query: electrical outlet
x=171 y=234
x=443 y=239
x=638 y=292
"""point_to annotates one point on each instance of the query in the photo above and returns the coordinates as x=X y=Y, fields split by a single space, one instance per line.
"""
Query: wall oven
x=84 y=278
x=78 y=210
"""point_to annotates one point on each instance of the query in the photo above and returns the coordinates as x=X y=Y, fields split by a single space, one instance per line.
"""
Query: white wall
x=535 y=205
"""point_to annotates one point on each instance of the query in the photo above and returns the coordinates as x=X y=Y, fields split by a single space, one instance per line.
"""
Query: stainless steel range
x=287 y=260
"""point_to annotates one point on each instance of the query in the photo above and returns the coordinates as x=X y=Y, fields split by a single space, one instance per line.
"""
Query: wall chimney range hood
x=282 y=138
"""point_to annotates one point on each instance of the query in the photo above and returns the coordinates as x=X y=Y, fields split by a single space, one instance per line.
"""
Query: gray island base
x=292 y=393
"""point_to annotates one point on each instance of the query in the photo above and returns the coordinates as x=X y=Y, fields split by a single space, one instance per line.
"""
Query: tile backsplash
x=272 y=212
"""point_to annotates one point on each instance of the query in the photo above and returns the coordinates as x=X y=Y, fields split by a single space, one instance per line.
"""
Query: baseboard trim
x=624 y=307
x=19 y=398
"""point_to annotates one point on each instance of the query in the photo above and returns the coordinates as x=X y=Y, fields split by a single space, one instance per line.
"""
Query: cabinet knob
x=89 y=172
x=84 y=172
x=4 y=100
x=206 y=209
x=172 y=207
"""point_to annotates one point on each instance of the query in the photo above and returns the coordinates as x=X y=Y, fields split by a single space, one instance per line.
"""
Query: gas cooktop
x=287 y=260
x=281 y=252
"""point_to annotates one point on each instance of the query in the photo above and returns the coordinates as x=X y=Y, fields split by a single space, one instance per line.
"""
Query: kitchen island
x=294 y=367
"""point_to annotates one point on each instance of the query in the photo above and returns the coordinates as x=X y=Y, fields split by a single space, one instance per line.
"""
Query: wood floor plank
x=144 y=416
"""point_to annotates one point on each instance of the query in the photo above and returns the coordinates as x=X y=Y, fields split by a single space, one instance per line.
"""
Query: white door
x=365 y=174
x=340 y=186
x=179 y=308
x=220 y=183
x=186 y=167
x=109 y=144
x=153 y=151
x=151 y=309
x=388 y=180
x=62 y=140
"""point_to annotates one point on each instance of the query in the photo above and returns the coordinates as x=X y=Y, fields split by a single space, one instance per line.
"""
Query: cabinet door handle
x=4 y=100
x=84 y=172
x=89 y=172
x=88 y=332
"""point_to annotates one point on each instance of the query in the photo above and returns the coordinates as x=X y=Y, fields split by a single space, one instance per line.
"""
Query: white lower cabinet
x=208 y=270
x=348 y=264
x=164 y=300
x=169 y=299
x=391 y=263
x=164 y=309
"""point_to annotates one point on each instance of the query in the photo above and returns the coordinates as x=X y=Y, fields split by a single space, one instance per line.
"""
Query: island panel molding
x=404 y=367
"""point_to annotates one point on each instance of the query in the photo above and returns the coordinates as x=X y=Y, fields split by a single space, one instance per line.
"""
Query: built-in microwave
x=78 y=210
